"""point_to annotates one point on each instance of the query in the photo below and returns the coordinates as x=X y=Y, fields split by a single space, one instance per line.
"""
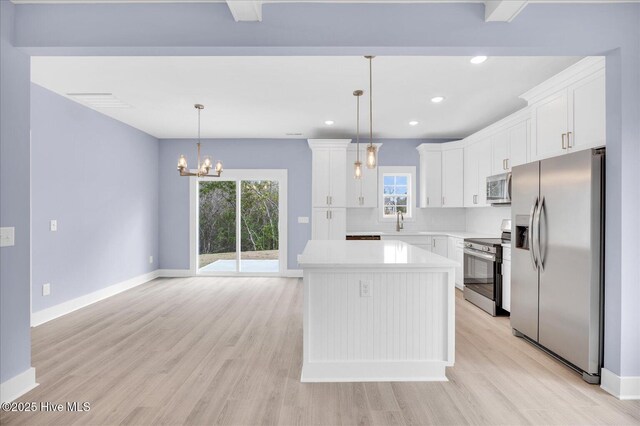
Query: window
x=397 y=189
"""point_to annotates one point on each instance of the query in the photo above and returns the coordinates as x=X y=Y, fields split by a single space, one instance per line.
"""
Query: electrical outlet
x=46 y=289
x=299 y=258
x=7 y=236
x=53 y=225
x=150 y=259
x=365 y=288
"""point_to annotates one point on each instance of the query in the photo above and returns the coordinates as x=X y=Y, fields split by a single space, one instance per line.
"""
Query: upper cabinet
x=329 y=172
x=477 y=167
x=441 y=175
x=510 y=147
x=452 y=177
x=568 y=110
x=363 y=192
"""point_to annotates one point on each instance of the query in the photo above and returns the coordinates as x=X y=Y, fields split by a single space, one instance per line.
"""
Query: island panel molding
x=376 y=318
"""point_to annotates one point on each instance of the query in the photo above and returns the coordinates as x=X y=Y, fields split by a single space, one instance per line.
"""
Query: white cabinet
x=440 y=245
x=510 y=148
x=363 y=192
x=328 y=172
x=431 y=179
x=328 y=189
x=456 y=253
x=329 y=223
x=441 y=174
x=587 y=113
x=506 y=279
x=453 y=177
x=477 y=167
x=568 y=111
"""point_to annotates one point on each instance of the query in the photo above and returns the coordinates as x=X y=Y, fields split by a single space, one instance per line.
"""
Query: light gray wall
x=291 y=154
x=15 y=340
x=98 y=178
x=609 y=29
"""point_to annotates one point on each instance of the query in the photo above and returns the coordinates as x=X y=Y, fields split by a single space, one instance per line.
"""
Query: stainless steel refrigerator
x=557 y=265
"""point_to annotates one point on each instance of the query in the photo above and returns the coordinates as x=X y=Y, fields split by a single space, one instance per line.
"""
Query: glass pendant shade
x=219 y=167
x=207 y=162
x=357 y=169
x=371 y=157
x=182 y=162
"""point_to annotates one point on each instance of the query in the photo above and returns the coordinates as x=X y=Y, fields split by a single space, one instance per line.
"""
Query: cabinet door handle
x=427 y=200
x=569 y=145
x=475 y=199
x=503 y=165
x=327 y=200
x=434 y=243
x=327 y=214
x=330 y=214
x=564 y=145
x=506 y=161
x=443 y=201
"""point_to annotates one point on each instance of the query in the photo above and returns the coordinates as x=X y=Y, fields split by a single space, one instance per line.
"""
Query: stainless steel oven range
x=483 y=271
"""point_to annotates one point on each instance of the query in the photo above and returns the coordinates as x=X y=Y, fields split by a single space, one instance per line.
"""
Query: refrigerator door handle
x=530 y=235
x=536 y=231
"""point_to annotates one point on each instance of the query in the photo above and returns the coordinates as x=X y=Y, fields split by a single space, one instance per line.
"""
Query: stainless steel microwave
x=499 y=189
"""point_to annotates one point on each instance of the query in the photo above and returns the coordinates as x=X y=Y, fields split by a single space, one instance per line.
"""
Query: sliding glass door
x=238 y=225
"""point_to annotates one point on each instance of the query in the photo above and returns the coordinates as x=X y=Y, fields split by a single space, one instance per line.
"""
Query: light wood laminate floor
x=229 y=351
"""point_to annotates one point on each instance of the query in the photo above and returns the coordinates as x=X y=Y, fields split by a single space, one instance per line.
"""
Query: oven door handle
x=479 y=254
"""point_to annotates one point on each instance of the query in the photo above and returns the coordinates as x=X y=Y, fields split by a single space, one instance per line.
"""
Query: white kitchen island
x=376 y=311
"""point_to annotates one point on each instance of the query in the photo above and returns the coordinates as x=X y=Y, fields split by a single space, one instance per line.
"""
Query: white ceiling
x=269 y=97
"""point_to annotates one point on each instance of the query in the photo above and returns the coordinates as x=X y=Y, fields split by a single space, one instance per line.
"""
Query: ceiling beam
x=502 y=10
x=246 y=10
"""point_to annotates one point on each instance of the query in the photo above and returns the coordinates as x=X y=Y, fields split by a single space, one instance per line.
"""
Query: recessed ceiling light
x=329 y=122
x=478 y=59
x=413 y=123
x=437 y=99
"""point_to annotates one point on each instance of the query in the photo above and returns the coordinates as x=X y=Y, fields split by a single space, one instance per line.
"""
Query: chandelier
x=204 y=166
x=371 y=149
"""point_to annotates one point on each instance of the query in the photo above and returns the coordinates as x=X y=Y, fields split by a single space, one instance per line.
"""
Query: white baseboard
x=293 y=273
x=621 y=387
x=45 y=315
x=385 y=371
x=19 y=385
x=174 y=273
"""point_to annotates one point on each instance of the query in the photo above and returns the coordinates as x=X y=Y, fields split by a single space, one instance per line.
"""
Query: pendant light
x=357 y=166
x=371 y=149
x=204 y=167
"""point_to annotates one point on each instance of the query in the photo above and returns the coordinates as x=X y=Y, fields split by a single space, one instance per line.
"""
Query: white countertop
x=382 y=253
x=455 y=234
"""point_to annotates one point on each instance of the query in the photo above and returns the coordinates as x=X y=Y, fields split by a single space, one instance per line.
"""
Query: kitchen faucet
x=399 y=221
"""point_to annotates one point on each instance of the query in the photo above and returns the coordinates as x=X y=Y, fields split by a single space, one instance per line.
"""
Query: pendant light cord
x=370 y=102
x=358 y=129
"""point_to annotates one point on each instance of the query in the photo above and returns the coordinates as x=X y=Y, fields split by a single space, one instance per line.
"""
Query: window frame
x=410 y=173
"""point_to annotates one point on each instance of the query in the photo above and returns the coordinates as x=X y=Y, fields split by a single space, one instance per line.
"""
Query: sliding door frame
x=237 y=175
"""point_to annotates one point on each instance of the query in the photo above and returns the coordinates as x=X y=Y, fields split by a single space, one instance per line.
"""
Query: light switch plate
x=150 y=259
x=53 y=225
x=46 y=289
x=7 y=236
x=365 y=288
x=303 y=219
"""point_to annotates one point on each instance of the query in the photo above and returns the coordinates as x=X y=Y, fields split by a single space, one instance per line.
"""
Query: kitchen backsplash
x=487 y=220
x=425 y=220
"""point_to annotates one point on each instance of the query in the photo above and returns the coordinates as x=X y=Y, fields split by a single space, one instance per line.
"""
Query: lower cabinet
x=506 y=279
x=329 y=224
x=456 y=253
x=440 y=245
